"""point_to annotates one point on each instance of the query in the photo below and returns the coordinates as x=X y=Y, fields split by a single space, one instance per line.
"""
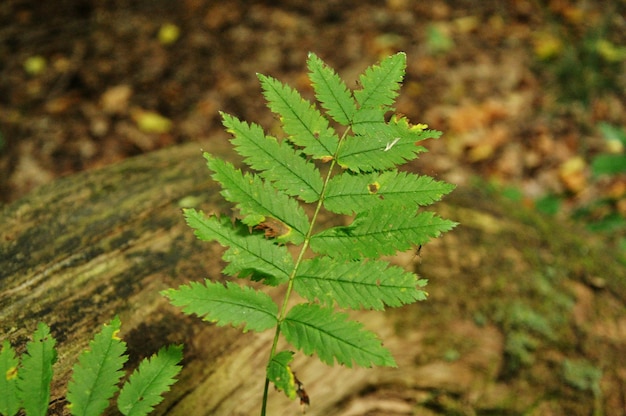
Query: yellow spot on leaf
x=373 y=187
x=419 y=127
x=11 y=373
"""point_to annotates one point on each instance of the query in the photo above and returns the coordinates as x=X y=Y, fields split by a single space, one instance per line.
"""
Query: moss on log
x=526 y=314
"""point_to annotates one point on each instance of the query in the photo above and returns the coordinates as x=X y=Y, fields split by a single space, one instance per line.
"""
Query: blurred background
x=530 y=95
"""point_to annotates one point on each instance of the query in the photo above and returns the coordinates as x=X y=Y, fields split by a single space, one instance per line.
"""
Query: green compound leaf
x=247 y=254
x=381 y=231
x=279 y=373
x=9 y=401
x=357 y=284
x=99 y=369
x=380 y=83
x=277 y=162
x=146 y=385
x=303 y=123
x=331 y=91
x=315 y=329
x=36 y=373
x=361 y=179
x=347 y=193
x=257 y=200
x=224 y=305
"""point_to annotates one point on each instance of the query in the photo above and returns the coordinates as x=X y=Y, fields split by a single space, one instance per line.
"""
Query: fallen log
x=525 y=315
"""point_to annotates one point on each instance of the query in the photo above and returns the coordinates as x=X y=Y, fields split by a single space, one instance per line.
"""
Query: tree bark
x=525 y=314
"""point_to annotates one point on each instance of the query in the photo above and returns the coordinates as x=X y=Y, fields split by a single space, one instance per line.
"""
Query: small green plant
x=604 y=214
x=438 y=39
x=349 y=169
x=95 y=377
x=583 y=57
x=611 y=163
x=584 y=376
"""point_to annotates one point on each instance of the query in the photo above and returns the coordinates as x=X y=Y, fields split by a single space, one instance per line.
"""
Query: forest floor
x=520 y=89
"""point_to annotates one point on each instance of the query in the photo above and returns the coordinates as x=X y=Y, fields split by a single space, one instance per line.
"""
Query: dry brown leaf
x=115 y=99
x=572 y=174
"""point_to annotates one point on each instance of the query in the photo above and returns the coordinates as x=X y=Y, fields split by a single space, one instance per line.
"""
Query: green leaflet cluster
x=345 y=162
x=95 y=377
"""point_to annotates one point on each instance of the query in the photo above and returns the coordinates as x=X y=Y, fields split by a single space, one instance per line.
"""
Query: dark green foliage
x=36 y=372
x=9 y=401
x=94 y=380
x=611 y=164
x=97 y=372
x=146 y=385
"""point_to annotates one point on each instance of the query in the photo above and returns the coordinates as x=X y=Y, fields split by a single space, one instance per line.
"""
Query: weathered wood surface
x=84 y=248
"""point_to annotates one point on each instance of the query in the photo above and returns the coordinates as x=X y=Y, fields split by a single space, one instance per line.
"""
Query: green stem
x=265 y=392
x=305 y=245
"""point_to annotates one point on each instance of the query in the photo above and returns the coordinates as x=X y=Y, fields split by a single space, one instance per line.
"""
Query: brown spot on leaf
x=273 y=228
